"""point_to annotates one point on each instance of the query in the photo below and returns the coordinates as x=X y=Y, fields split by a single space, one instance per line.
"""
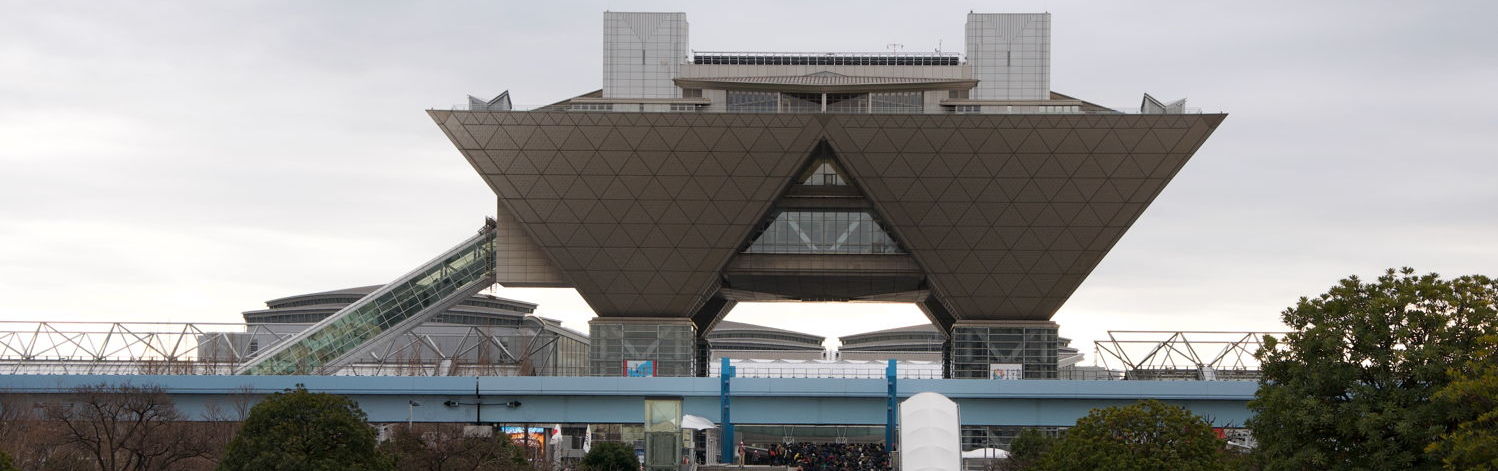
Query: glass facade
x=975 y=349
x=801 y=102
x=669 y=346
x=315 y=302
x=729 y=58
x=818 y=231
x=401 y=301
x=897 y=102
x=847 y=102
x=752 y=102
x=976 y=437
x=903 y=102
x=663 y=438
x=823 y=172
x=569 y=357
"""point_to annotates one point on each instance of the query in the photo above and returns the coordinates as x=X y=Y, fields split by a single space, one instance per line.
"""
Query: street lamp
x=410 y=412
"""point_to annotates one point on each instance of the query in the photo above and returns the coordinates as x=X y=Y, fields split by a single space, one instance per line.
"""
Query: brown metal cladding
x=1006 y=214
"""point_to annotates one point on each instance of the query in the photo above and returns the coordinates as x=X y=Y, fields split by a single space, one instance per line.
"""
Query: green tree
x=6 y=464
x=1351 y=387
x=444 y=447
x=1027 y=448
x=1148 y=435
x=610 y=456
x=304 y=431
x=1472 y=401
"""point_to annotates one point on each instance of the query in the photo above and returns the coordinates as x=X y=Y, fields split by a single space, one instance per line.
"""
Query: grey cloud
x=285 y=142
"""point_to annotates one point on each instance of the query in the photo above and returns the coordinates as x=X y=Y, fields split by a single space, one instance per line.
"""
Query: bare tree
x=445 y=447
x=128 y=428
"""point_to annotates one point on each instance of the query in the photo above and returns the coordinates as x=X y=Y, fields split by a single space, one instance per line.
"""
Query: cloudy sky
x=186 y=161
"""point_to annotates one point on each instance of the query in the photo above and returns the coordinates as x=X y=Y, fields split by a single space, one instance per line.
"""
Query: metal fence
x=144 y=348
x=217 y=348
x=1182 y=355
x=681 y=108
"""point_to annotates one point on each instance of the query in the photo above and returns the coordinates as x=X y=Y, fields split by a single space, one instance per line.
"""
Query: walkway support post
x=890 y=408
x=727 y=445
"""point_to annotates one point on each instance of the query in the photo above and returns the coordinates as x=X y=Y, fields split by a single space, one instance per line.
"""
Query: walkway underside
x=546 y=400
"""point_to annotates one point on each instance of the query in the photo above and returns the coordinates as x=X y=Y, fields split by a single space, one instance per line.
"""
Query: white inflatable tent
x=930 y=438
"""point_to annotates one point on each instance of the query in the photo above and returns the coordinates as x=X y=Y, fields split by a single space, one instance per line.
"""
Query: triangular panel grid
x=1006 y=214
x=639 y=211
x=1009 y=213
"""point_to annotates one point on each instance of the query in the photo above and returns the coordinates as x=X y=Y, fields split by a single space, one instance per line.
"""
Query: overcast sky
x=186 y=161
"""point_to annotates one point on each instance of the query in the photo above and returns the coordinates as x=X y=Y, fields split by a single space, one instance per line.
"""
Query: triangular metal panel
x=1035 y=177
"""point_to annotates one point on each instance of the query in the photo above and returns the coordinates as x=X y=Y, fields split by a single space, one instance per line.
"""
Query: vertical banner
x=1006 y=371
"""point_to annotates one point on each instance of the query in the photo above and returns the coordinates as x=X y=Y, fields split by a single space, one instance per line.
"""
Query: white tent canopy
x=989 y=453
x=929 y=439
x=692 y=422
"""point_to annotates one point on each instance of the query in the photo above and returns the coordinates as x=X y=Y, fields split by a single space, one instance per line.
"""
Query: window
x=801 y=102
x=751 y=102
x=897 y=102
x=591 y=107
x=824 y=232
x=847 y=103
x=823 y=171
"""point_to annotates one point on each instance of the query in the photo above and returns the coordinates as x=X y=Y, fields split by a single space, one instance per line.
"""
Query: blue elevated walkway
x=562 y=399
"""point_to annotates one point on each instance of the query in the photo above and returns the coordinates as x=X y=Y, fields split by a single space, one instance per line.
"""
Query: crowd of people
x=821 y=456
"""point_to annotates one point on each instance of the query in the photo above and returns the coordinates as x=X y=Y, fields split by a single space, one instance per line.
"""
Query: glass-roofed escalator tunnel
x=391 y=310
x=823 y=214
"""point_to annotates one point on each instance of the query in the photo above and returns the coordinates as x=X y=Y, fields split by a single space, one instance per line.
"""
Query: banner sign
x=1006 y=371
x=639 y=368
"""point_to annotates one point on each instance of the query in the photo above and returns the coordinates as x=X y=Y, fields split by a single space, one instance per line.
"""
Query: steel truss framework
x=1203 y=355
x=218 y=348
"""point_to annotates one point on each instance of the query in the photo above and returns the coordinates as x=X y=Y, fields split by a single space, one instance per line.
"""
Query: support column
x=616 y=343
x=725 y=420
x=703 y=320
x=891 y=406
x=990 y=349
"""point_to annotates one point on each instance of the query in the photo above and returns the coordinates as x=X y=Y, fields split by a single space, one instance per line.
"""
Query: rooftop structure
x=477 y=310
x=922 y=342
x=745 y=341
x=481 y=334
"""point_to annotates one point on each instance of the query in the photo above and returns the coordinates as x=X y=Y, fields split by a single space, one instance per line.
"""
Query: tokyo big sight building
x=696 y=180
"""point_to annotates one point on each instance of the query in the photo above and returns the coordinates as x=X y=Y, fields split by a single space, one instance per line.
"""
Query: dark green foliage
x=1027 y=448
x=442 y=447
x=610 y=456
x=1351 y=388
x=1472 y=402
x=6 y=464
x=1148 y=435
x=303 y=431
